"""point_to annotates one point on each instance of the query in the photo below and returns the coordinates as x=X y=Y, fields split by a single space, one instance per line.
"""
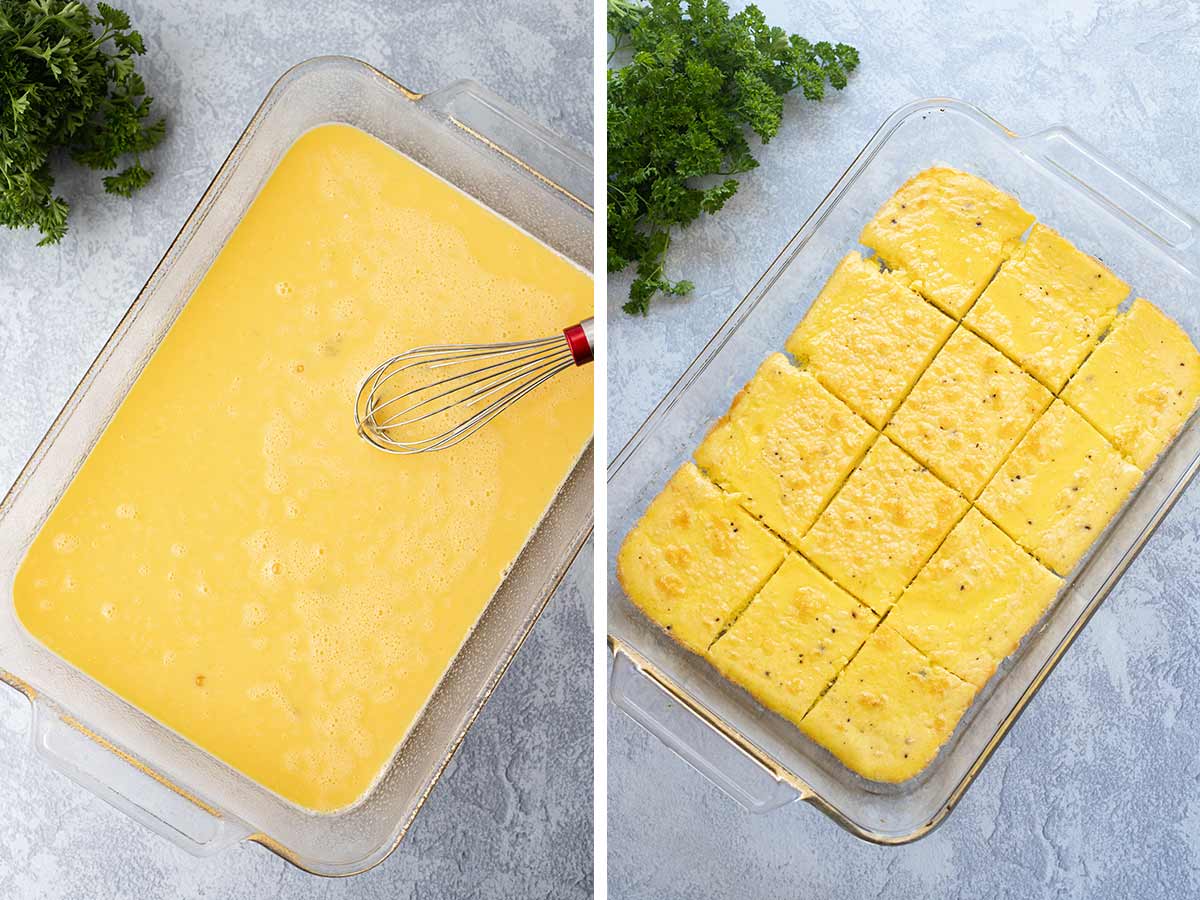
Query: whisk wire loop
x=475 y=384
x=489 y=376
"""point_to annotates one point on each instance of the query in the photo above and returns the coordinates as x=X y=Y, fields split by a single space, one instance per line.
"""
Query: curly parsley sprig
x=67 y=82
x=677 y=118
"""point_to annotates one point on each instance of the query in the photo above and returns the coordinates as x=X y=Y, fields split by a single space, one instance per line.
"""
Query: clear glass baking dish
x=491 y=151
x=756 y=757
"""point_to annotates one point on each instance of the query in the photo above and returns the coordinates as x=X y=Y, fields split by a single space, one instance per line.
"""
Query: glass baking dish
x=758 y=758
x=488 y=149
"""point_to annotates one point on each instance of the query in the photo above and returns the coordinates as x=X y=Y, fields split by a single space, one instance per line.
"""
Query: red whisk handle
x=579 y=339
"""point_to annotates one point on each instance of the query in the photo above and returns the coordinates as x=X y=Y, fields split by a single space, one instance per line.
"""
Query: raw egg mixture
x=232 y=558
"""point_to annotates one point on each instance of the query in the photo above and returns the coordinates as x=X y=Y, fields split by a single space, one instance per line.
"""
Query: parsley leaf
x=678 y=114
x=67 y=83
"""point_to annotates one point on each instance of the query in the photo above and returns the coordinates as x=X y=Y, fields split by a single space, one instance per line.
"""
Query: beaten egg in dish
x=232 y=558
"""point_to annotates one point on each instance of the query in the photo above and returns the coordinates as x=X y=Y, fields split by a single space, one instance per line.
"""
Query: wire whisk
x=431 y=398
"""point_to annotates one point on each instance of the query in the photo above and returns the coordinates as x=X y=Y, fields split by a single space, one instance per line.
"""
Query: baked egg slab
x=945 y=233
x=1059 y=488
x=967 y=412
x=867 y=337
x=695 y=559
x=784 y=447
x=971 y=604
x=1140 y=385
x=1048 y=306
x=793 y=639
x=887 y=519
x=889 y=711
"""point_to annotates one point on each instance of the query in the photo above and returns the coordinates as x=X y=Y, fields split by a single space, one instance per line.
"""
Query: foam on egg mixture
x=232 y=558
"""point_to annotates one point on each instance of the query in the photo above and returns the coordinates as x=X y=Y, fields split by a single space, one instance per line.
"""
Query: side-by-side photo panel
x=902 y=378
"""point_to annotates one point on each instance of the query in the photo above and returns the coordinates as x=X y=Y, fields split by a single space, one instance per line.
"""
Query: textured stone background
x=1096 y=792
x=511 y=818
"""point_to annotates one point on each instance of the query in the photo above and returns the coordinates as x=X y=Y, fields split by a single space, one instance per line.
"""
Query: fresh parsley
x=67 y=83
x=678 y=113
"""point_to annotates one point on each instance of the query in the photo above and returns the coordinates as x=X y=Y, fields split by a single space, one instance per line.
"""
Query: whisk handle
x=579 y=339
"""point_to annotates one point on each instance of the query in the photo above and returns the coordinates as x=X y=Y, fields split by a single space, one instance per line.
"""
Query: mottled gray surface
x=1096 y=792
x=511 y=817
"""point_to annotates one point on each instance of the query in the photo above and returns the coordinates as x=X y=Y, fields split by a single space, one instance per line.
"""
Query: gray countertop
x=511 y=817
x=1096 y=791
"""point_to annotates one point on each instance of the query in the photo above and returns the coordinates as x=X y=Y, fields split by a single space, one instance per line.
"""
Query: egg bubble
x=254 y=614
x=65 y=542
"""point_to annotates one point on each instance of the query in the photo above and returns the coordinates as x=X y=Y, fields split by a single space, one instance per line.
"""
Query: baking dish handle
x=1076 y=161
x=117 y=779
x=659 y=709
x=510 y=132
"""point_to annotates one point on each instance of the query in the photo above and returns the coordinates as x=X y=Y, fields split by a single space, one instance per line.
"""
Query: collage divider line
x=600 y=653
